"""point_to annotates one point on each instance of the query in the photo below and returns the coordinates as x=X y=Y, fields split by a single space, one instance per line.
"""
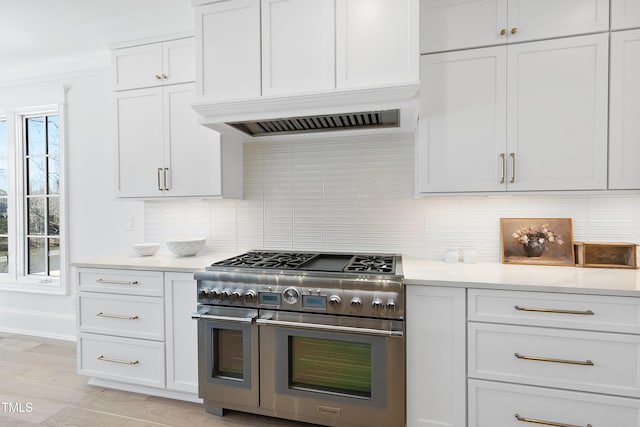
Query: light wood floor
x=39 y=386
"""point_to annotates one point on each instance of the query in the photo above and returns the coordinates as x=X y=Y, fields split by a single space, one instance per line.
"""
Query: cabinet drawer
x=132 y=282
x=123 y=315
x=122 y=359
x=575 y=311
x=587 y=361
x=496 y=405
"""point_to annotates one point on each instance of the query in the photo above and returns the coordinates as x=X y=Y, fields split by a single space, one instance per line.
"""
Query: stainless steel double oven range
x=315 y=337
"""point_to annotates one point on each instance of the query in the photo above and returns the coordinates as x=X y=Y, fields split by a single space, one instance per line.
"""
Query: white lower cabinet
x=495 y=404
x=552 y=359
x=436 y=354
x=122 y=359
x=180 y=300
x=136 y=332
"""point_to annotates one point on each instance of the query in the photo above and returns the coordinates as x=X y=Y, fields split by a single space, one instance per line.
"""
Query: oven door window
x=331 y=366
x=227 y=349
x=227 y=353
x=340 y=367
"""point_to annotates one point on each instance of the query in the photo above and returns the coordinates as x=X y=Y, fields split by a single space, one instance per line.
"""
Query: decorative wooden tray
x=606 y=255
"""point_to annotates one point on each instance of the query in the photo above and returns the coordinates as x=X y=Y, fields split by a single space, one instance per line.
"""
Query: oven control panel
x=356 y=302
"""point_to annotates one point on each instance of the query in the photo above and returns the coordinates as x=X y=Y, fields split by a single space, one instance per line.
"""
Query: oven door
x=228 y=375
x=333 y=370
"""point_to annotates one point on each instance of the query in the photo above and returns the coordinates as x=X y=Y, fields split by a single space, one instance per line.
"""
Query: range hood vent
x=320 y=123
x=346 y=112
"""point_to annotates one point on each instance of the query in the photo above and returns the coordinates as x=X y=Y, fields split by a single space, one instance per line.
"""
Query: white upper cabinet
x=557 y=114
x=524 y=117
x=163 y=151
x=624 y=127
x=154 y=64
x=376 y=42
x=138 y=115
x=297 y=46
x=625 y=14
x=462 y=127
x=460 y=24
x=228 y=49
x=192 y=152
x=247 y=49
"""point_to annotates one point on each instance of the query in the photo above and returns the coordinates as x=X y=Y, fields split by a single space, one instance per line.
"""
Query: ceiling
x=45 y=37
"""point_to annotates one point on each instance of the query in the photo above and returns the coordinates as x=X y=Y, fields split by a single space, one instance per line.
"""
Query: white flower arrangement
x=543 y=234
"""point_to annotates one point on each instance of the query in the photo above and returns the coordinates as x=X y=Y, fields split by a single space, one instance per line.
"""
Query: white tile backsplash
x=357 y=194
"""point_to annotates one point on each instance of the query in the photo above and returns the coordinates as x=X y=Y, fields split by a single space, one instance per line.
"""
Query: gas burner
x=249 y=259
x=371 y=264
x=286 y=260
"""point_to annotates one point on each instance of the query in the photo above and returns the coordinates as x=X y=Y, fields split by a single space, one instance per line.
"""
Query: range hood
x=337 y=113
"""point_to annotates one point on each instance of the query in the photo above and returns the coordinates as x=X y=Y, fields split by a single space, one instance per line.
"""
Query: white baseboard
x=178 y=395
x=38 y=323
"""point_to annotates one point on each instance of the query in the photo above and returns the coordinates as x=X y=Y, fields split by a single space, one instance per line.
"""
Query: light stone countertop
x=417 y=271
x=494 y=275
x=161 y=261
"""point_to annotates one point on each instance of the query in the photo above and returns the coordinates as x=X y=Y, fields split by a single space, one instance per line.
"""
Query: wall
x=356 y=194
x=94 y=219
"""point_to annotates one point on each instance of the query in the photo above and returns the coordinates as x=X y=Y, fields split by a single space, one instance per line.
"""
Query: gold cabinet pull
x=513 y=167
x=116 y=316
x=514 y=30
x=124 y=362
x=504 y=165
x=555 y=310
x=117 y=282
x=503 y=32
x=547 y=359
x=164 y=174
x=546 y=423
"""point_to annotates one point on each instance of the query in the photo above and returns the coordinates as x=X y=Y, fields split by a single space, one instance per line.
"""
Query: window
x=42 y=198
x=30 y=200
x=4 y=193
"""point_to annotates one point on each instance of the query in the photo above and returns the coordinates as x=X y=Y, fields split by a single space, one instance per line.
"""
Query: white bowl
x=146 y=249
x=187 y=246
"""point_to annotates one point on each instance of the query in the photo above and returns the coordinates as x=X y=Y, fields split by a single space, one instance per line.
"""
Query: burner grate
x=372 y=264
x=285 y=260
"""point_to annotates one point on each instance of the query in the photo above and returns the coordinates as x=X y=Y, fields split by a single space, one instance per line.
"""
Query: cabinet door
x=436 y=357
x=624 y=129
x=192 y=151
x=137 y=67
x=181 y=334
x=376 y=42
x=139 y=142
x=625 y=14
x=557 y=114
x=462 y=128
x=461 y=24
x=298 y=53
x=179 y=61
x=228 y=50
x=539 y=19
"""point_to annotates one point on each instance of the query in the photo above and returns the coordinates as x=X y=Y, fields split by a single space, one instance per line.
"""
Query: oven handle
x=330 y=328
x=223 y=318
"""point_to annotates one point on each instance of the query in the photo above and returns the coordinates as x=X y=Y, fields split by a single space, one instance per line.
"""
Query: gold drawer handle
x=116 y=316
x=124 y=362
x=546 y=359
x=547 y=423
x=555 y=310
x=117 y=282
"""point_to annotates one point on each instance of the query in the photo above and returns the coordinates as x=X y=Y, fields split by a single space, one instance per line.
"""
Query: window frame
x=17 y=278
